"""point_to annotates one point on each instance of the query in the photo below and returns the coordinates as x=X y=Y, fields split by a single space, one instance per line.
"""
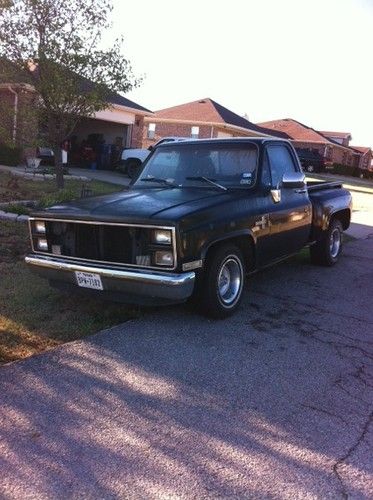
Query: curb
x=42 y=177
x=12 y=216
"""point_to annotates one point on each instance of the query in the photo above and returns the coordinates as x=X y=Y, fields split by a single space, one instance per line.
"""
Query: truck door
x=289 y=209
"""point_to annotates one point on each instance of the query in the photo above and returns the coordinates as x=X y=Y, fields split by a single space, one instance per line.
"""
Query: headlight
x=40 y=226
x=42 y=244
x=163 y=258
x=162 y=236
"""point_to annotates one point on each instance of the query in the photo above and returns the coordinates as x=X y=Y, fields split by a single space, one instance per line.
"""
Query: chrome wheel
x=230 y=280
x=335 y=243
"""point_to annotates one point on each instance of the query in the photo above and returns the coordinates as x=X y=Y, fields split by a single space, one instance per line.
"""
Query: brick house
x=343 y=138
x=121 y=123
x=304 y=137
x=15 y=98
x=200 y=119
x=366 y=157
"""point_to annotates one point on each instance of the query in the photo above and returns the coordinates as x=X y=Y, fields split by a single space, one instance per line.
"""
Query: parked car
x=312 y=161
x=46 y=155
x=201 y=217
x=132 y=159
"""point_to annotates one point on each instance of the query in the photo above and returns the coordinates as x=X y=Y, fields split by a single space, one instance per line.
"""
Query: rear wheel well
x=244 y=242
x=344 y=216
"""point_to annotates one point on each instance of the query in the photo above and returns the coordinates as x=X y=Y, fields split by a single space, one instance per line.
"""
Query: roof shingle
x=295 y=130
x=207 y=110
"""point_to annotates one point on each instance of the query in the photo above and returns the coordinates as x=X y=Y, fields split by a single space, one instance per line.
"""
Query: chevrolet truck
x=201 y=217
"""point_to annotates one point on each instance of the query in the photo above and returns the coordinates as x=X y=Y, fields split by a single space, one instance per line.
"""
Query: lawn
x=33 y=316
x=14 y=188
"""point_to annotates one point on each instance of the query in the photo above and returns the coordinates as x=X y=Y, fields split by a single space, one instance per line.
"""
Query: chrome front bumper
x=132 y=282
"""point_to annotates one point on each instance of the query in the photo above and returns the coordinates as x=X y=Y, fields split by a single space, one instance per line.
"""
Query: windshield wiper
x=159 y=180
x=206 y=179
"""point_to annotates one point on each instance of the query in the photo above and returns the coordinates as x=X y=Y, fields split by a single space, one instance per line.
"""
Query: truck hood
x=170 y=204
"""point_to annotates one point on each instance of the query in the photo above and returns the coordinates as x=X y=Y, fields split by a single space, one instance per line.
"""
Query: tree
x=58 y=45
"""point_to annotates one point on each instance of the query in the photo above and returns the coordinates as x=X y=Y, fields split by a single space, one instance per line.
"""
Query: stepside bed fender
x=329 y=204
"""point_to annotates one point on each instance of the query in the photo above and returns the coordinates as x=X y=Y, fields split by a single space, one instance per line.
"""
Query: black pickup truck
x=201 y=216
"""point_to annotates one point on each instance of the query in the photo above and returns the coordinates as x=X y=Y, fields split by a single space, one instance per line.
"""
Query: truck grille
x=100 y=242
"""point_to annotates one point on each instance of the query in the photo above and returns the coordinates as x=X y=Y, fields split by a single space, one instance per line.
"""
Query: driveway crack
x=350 y=452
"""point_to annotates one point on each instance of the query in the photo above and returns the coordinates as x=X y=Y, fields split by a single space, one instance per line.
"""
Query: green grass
x=14 y=188
x=17 y=208
x=33 y=316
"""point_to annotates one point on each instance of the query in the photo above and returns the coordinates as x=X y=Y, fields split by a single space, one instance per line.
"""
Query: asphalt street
x=275 y=402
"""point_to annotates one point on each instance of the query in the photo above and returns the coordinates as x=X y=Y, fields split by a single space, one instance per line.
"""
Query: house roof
x=210 y=111
x=361 y=149
x=339 y=135
x=296 y=131
x=9 y=73
x=113 y=97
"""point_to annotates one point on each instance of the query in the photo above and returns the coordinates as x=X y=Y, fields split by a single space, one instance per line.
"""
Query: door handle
x=300 y=191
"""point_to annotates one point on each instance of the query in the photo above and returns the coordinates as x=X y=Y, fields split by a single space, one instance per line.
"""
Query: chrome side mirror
x=294 y=180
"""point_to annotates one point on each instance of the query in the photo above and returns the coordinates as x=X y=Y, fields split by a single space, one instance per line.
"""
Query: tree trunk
x=59 y=168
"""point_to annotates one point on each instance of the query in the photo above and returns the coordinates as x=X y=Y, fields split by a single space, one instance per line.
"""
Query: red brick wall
x=184 y=130
x=7 y=116
x=172 y=129
x=27 y=128
x=137 y=132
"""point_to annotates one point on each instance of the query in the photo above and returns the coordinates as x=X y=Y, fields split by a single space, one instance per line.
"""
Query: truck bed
x=313 y=186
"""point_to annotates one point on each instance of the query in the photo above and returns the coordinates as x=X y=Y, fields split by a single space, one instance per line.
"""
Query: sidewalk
x=102 y=175
x=83 y=173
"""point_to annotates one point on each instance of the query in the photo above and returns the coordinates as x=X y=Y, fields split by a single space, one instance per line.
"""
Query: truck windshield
x=193 y=165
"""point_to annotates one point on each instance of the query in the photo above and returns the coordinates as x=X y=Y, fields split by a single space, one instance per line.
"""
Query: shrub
x=10 y=155
x=59 y=197
x=18 y=209
x=340 y=169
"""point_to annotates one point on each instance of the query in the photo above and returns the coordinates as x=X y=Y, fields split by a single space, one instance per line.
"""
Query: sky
x=311 y=60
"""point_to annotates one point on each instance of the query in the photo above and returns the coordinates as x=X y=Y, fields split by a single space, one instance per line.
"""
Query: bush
x=340 y=169
x=59 y=197
x=10 y=155
x=17 y=209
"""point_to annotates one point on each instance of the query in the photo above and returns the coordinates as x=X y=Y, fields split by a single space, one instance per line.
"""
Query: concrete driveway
x=275 y=402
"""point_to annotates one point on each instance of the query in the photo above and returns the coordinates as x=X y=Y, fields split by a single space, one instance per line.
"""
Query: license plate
x=89 y=280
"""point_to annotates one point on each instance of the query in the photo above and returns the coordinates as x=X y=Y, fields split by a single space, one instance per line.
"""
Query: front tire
x=222 y=282
x=327 y=250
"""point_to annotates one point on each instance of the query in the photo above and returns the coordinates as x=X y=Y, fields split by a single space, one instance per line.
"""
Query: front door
x=288 y=209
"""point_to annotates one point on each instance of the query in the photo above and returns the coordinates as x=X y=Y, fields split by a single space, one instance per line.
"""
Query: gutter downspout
x=15 y=117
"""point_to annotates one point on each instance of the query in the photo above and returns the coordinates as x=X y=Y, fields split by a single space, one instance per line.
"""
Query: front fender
x=226 y=237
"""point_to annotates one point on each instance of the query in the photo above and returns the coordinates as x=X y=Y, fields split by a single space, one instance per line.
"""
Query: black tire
x=327 y=250
x=133 y=168
x=225 y=270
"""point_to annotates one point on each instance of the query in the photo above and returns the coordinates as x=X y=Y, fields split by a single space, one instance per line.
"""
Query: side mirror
x=294 y=180
x=150 y=148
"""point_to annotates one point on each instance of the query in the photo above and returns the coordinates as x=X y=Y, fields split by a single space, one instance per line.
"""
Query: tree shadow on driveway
x=266 y=404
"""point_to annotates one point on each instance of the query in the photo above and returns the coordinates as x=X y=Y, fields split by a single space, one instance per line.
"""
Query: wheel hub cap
x=335 y=243
x=230 y=281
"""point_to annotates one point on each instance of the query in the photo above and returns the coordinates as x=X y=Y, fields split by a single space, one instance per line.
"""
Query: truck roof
x=225 y=140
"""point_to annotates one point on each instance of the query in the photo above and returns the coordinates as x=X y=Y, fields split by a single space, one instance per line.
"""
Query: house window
x=151 y=130
x=194 y=132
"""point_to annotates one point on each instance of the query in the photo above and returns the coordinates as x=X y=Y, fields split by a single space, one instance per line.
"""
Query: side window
x=151 y=130
x=266 y=172
x=194 y=132
x=281 y=162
